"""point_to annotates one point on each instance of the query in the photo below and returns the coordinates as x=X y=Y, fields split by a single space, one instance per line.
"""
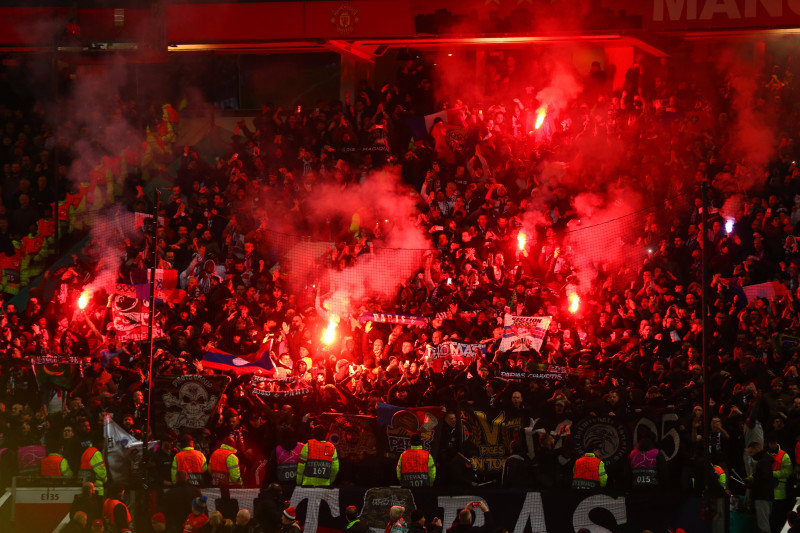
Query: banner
x=542 y=376
x=274 y=388
x=682 y=15
x=491 y=431
x=393 y=319
x=541 y=371
x=353 y=435
x=131 y=317
x=609 y=431
x=186 y=402
x=515 y=510
x=56 y=371
x=288 y=393
x=522 y=333
x=453 y=353
x=400 y=423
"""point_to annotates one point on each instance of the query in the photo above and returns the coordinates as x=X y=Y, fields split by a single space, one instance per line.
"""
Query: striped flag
x=255 y=363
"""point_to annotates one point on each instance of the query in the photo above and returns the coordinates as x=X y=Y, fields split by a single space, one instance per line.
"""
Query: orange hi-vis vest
x=108 y=510
x=47 y=227
x=219 y=466
x=320 y=459
x=51 y=465
x=191 y=462
x=587 y=473
x=32 y=245
x=86 y=457
x=414 y=468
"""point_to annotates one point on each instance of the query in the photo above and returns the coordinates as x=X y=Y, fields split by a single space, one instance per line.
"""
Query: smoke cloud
x=382 y=202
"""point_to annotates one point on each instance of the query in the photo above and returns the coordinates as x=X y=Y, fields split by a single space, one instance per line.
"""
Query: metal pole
x=705 y=295
x=56 y=111
x=150 y=324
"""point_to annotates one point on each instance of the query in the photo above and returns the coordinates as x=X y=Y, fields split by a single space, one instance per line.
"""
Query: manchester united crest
x=344 y=18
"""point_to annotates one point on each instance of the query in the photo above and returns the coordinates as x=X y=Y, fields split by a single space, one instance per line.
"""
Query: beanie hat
x=290 y=513
x=159 y=517
x=228 y=441
x=199 y=504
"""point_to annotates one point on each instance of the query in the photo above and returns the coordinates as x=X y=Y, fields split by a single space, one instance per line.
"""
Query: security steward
x=93 y=468
x=224 y=465
x=55 y=465
x=416 y=468
x=115 y=512
x=189 y=460
x=644 y=463
x=781 y=470
x=590 y=471
x=319 y=462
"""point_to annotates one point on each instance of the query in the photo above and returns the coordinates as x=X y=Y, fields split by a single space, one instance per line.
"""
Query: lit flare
x=330 y=333
x=83 y=300
x=522 y=240
x=729 y=225
x=574 y=303
x=540 y=114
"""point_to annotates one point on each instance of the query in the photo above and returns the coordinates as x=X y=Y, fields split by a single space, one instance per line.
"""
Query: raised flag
x=123 y=452
x=166 y=280
x=142 y=292
x=56 y=371
x=522 y=333
x=131 y=317
x=255 y=363
x=453 y=353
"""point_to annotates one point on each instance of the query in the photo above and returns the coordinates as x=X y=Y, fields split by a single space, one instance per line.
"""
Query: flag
x=185 y=403
x=523 y=333
x=56 y=371
x=139 y=218
x=257 y=363
x=166 y=284
x=353 y=435
x=449 y=353
x=123 y=452
x=769 y=290
x=142 y=292
x=400 y=423
x=131 y=317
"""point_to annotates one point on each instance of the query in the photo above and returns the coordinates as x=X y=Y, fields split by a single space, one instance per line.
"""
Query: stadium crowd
x=480 y=178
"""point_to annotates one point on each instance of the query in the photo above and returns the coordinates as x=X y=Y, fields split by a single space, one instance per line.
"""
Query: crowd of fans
x=480 y=178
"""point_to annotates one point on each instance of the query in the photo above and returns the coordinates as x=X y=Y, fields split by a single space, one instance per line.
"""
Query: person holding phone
x=465 y=523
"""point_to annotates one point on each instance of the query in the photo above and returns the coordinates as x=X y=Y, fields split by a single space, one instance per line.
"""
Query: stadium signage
x=713 y=14
x=518 y=511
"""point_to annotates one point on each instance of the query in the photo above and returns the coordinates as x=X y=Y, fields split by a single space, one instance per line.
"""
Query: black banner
x=185 y=403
